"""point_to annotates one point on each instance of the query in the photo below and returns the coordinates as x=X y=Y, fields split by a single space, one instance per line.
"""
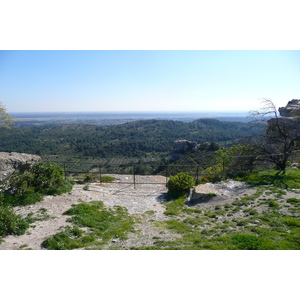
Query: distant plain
x=25 y=119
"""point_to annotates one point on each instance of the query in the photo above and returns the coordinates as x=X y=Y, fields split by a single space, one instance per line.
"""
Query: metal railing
x=99 y=167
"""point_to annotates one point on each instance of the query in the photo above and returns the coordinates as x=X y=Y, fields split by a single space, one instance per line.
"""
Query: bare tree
x=278 y=141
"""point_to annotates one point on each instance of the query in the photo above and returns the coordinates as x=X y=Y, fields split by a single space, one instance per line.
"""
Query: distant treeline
x=133 y=139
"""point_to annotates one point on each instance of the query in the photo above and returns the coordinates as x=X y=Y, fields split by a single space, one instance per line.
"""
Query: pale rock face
x=10 y=161
x=180 y=147
x=289 y=122
x=292 y=109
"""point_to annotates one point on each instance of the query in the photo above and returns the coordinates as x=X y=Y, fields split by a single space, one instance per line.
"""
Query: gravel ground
x=145 y=197
x=144 y=202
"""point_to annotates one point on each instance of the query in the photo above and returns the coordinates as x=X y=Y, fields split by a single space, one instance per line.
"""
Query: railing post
x=100 y=173
x=197 y=176
x=133 y=170
x=223 y=166
x=167 y=173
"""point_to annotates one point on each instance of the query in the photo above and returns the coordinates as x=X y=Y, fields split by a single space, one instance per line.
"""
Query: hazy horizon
x=113 y=118
x=130 y=112
x=147 y=81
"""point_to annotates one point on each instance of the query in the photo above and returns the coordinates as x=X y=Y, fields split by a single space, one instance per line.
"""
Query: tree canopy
x=5 y=118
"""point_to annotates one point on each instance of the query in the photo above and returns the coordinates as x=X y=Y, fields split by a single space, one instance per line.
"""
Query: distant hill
x=132 y=139
x=115 y=118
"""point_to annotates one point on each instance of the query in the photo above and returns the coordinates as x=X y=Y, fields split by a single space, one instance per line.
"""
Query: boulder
x=182 y=146
x=284 y=129
x=228 y=188
x=203 y=190
x=11 y=161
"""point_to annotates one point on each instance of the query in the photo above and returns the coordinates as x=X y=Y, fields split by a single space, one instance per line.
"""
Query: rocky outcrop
x=292 y=109
x=283 y=131
x=182 y=146
x=289 y=122
x=10 y=161
x=216 y=191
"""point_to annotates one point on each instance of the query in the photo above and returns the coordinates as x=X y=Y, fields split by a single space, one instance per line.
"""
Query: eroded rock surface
x=292 y=109
x=182 y=146
x=10 y=161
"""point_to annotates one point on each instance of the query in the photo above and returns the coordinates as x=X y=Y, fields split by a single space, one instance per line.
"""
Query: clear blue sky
x=50 y=81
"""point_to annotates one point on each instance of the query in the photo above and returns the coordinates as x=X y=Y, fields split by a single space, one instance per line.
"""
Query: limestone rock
x=10 y=161
x=204 y=189
x=292 y=109
x=182 y=146
x=224 y=188
x=289 y=123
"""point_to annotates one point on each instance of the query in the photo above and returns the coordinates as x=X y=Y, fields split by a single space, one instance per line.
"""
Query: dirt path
x=144 y=197
x=139 y=200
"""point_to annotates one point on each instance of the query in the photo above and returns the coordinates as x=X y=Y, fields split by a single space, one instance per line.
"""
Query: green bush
x=42 y=178
x=88 y=177
x=180 y=185
x=10 y=223
x=247 y=242
x=86 y=187
x=46 y=176
x=107 y=179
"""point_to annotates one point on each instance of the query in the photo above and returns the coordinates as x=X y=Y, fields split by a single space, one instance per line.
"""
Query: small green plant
x=107 y=179
x=246 y=241
x=23 y=246
x=210 y=195
x=180 y=185
x=88 y=178
x=10 y=223
x=273 y=204
x=175 y=207
x=150 y=212
x=293 y=201
x=177 y=226
x=86 y=187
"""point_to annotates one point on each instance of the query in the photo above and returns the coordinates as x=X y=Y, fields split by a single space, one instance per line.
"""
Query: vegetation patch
x=294 y=201
x=10 y=223
x=288 y=179
x=179 y=185
x=101 y=224
x=175 y=207
x=42 y=178
x=247 y=241
x=107 y=179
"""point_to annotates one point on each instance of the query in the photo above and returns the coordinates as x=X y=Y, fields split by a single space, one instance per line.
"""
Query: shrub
x=86 y=187
x=175 y=207
x=247 y=242
x=107 y=179
x=46 y=176
x=10 y=223
x=180 y=185
x=42 y=178
x=293 y=201
x=88 y=178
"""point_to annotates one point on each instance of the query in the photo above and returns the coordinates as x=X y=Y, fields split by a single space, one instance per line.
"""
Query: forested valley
x=132 y=139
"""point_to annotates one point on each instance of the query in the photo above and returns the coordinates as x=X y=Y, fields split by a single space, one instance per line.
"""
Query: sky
x=140 y=80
